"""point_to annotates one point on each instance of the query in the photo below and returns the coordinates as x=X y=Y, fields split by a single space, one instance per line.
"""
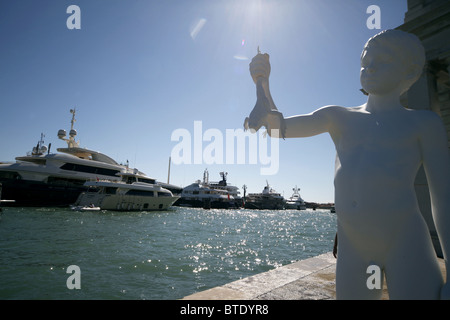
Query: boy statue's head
x=405 y=48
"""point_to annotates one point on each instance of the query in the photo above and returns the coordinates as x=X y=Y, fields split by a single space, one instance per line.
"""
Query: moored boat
x=202 y=194
x=295 y=201
x=129 y=194
x=90 y=207
x=45 y=179
x=267 y=199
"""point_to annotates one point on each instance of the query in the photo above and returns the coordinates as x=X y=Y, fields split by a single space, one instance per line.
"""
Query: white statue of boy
x=380 y=146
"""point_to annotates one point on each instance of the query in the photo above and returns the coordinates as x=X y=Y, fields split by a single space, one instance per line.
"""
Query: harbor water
x=150 y=255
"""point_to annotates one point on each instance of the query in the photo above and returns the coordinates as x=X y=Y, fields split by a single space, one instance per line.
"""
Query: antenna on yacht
x=206 y=176
x=223 y=182
x=168 y=173
x=40 y=148
x=224 y=175
x=71 y=143
x=72 y=111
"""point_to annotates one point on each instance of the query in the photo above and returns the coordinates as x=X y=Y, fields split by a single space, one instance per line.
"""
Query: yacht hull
x=207 y=203
x=27 y=193
x=265 y=202
x=295 y=205
x=265 y=205
x=125 y=202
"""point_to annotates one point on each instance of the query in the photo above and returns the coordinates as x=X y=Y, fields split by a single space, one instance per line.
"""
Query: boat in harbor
x=232 y=190
x=267 y=199
x=42 y=178
x=202 y=194
x=133 y=193
x=295 y=201
x=90 y=207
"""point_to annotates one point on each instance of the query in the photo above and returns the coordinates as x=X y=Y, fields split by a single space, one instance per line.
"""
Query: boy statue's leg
x=413 y=272
x=352 y=274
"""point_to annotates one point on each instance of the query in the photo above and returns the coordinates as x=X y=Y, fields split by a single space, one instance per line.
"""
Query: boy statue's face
x=381 y=70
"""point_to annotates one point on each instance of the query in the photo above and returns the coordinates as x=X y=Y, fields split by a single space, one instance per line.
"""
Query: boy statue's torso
x=378 y=155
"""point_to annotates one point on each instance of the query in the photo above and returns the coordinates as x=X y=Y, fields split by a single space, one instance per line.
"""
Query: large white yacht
x=42 y=178
x=267 y=199
x=295 y=201
x=201 y=194
x=223 y=184
x=133 y=193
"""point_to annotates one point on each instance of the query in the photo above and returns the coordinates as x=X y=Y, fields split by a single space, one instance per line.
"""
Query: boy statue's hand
x=263 y=116
x=265 y=113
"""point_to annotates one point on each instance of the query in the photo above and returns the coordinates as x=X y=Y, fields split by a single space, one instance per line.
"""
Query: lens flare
x=240 y=57
x=197 y=27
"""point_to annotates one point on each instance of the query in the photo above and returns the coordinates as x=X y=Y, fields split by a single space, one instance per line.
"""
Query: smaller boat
x=90 y=207
x=130 y=194
x=295 y=201
x=3 y=201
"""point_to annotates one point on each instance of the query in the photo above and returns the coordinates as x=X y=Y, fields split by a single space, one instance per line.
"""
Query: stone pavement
x=312 y=278
x=309 y=279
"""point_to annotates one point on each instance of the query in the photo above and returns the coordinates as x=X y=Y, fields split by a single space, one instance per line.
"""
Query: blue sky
x=139 y=69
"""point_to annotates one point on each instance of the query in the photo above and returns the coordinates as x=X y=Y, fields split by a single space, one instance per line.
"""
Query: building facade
x=430 y=21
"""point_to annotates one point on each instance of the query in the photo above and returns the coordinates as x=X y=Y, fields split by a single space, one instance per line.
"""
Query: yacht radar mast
x=224 y=178
x=40 y=148
x=206 y=176
x=71 y=143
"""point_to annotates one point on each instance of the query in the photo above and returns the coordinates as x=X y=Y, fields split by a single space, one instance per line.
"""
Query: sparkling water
x=150 y=255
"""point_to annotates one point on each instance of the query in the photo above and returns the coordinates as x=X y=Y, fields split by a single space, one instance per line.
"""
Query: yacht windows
x=9 y=175
x=151 y=181
x=130 y=180
x=140 y=193
x=89 y=169
x=64 y=181
x=164 y=194
x=109 y=190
